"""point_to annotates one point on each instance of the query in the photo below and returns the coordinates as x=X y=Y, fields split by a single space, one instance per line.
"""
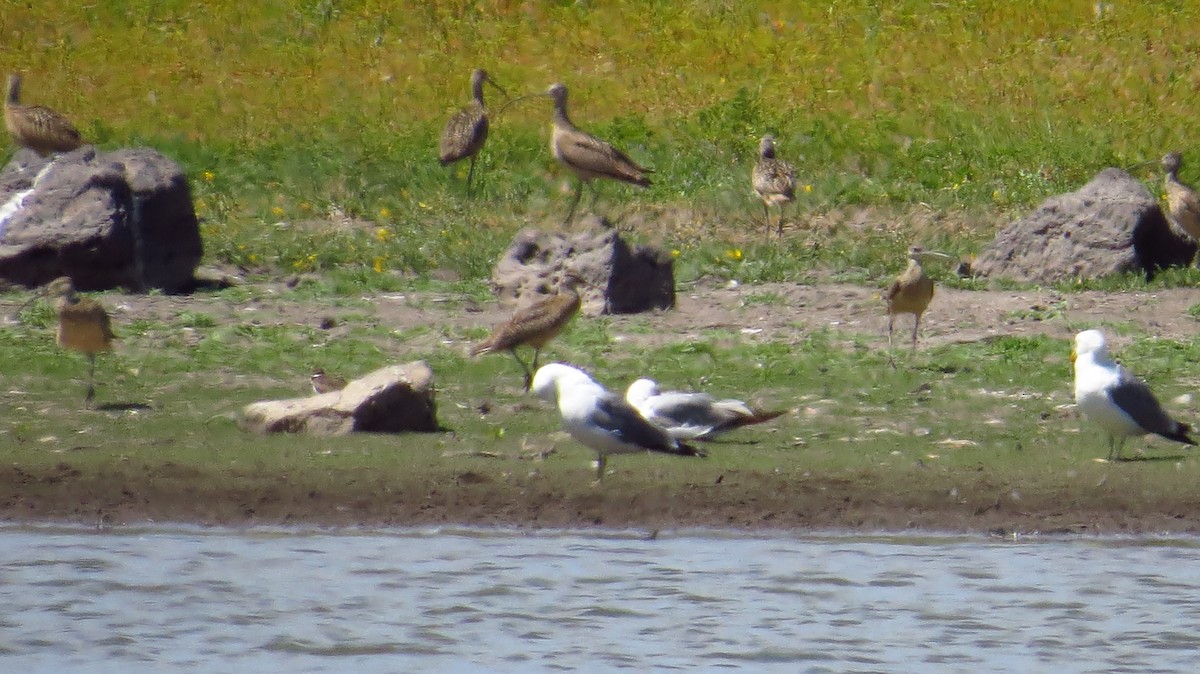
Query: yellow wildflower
x=734 y=254
x=377 y=265
x=675 y=252
x=209 y=176
x=382 y=234
x=277 y=211
x=808 y=189
x=385 y=213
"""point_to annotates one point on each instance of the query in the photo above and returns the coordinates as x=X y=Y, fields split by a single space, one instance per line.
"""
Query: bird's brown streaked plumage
x=910 y=293
x=323 y=382
x=535 y=325
x=1183 y=204
x=83 y=325
x=585 y=155
x=36 y=127
x=774 y=181
x=467 y=129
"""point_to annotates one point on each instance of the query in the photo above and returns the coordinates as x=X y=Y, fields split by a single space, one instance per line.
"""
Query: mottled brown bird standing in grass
x=325 y=383
x=910 y=292
x=35 y=127
x=83 y=325
x=774 y=181
x=467 y=130
x=1183 y=204
x=585 y=155
x=535 y=325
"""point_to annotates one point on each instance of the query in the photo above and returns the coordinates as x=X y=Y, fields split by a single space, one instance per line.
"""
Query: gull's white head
x=641 y=390
x=549 y=378
x=1089 y=342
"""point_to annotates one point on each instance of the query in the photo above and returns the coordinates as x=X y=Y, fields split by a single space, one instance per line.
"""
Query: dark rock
x=110 y=219
x=622 y=279
x=1111 y=225
x=392 y=399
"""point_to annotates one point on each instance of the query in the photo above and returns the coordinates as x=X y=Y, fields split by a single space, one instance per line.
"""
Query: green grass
x=308 y=129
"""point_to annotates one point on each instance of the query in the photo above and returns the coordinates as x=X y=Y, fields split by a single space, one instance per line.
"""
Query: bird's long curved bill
x=518 y=99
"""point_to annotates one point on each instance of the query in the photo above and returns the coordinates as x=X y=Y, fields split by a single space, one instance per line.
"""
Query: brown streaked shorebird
x=535 y=325
x=467 y=130
x=1183 y=204
x=585 y=155
x=323 y=382
x=774 y=181
x=910 y=293
x=36 y=127
x=83 y=325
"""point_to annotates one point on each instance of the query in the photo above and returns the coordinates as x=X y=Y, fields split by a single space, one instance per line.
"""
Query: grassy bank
x=967 y=434
x=309 y=128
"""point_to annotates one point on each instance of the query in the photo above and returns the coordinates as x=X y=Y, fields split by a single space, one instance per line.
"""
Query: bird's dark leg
x=767 y=217
x=525 y=368
x=91 y=389
x=779 y=224
x=574 y=204
x=916 y=326
x=891 y=349
x=601 y=464
x=470 y=174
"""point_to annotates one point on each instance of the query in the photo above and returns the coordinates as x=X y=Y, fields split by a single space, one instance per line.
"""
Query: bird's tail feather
x=756 y=417
x=1180 y=434
x=684 y=449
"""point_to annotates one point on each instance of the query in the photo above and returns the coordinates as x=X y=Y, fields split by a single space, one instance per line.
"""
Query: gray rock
x=1111 y=225
x=392 y=399
x=110 y=219
x=622 y=280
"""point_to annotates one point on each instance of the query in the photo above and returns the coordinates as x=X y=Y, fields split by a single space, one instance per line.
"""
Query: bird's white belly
x=1106 y=414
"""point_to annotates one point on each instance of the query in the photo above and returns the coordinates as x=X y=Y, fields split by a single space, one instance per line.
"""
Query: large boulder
x=621 y=279
x=392 y=399
x=106 y=219
x=1111 y=225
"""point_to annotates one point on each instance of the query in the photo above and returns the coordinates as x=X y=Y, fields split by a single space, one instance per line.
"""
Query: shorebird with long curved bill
x=1117 y=401
x=536 y=324
x=467 y=130
x=910 y=293
x=36 y=127
x=774 y=181
x=83 y=325
x=601 y=419
x=1183 y=204
x=692 y=415
x=587 y=156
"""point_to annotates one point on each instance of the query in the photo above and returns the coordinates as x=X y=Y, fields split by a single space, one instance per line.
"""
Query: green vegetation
x=309 y=128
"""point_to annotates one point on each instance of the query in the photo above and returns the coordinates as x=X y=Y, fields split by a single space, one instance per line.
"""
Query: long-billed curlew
x=601 y=419
x=774 y=181
x=83 y=325
x=323 y=382
x=1116 y=400
x=535 y=325
x=467 y=130
x=585 y=155
x=911 y=292
x=36 y=127
x=692 y=416
x=1183 y=204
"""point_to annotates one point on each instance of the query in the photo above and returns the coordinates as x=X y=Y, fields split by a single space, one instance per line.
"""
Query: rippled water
x=195 y=600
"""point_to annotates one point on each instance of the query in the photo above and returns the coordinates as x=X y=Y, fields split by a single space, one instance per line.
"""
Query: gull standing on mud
x=692 y=416
x=601 y=419
x=1116 y=400
x=585 y=155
